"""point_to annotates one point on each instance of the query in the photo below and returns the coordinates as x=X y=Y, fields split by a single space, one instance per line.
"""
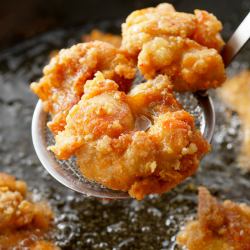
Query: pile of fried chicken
x=94 y=110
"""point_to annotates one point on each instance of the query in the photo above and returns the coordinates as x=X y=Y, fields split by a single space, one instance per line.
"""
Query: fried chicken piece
x=103 y=110
x=190 y=66
x=101 y=132
x=64 y=77
x=235 y=92
x=15 y=210
x=20 y=218
x=220 y=226
x=12 y=184
x=183 y=46
x=98 y=35
x=143 y=25
x=207 y=31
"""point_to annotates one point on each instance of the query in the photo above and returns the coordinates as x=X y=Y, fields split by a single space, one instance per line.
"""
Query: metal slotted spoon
x=199 y=104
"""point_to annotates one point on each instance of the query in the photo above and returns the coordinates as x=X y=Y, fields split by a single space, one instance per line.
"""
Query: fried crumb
x=219 y=226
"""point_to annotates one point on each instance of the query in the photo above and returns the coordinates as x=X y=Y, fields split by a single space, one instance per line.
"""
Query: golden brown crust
x=110 y=149
x=143 y=25
x=64 y=77
x=20 y=218
x=97 y=35
x=183 y=46
x=103 y=110
x=12 y=184
x=220 y=226
x=190 y=66
x=207 y=32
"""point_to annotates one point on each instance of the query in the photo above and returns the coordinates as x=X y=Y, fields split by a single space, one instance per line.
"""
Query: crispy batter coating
x=143 y=25
x=220 y=226
x=190 y=66
x=183 y=46
x=103 y=110
x=102 y=131
x=98 y=35
x=207 y=31
x=64 y=77
x=20 y=218
x=236 y=93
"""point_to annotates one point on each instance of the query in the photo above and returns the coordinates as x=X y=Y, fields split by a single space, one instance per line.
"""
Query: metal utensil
x=67 y=172
x=237 y=41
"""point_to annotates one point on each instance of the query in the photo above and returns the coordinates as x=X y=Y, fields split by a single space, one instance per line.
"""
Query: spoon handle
x=237 y=41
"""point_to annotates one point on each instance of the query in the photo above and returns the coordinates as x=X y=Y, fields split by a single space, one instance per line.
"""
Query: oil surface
x=89 y=223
